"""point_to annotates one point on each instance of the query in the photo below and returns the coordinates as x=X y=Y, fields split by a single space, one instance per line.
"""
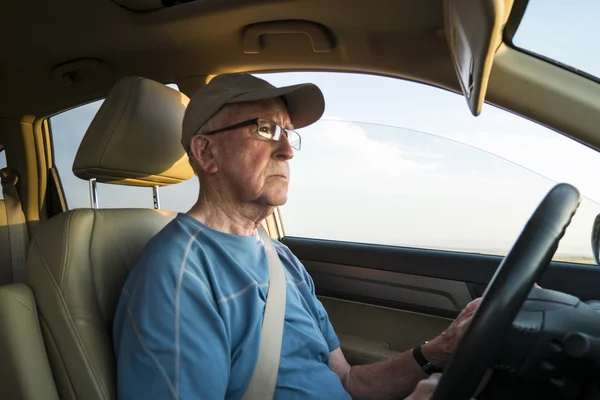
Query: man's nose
x=283 y=150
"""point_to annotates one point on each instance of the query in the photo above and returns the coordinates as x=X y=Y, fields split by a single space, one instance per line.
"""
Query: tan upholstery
x=79 y=260
x=6 y=249
x=77 y=264
x=24 y=370
x=134 y=138
x=5 y=260
x=14 y=235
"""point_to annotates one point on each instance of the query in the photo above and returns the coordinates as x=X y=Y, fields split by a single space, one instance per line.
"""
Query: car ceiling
x=203 y=38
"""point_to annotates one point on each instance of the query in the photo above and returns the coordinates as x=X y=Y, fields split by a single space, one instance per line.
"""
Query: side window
x=2 y=165
x=404 y=164
x=68 y=129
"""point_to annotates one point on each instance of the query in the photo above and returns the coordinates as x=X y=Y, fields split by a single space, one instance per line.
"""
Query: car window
x=68 y=129
x=2 y=165
x=404 y=164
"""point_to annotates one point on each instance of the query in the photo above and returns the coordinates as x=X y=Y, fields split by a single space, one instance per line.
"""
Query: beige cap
x=305 y=102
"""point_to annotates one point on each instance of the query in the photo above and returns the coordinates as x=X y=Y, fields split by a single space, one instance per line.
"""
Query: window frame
x=512 y=25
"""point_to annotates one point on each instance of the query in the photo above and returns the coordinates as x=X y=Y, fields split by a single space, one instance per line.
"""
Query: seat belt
x=264 y=378
x=17 y=228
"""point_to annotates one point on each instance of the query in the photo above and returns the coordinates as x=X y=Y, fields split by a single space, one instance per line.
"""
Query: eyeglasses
x=267 y=129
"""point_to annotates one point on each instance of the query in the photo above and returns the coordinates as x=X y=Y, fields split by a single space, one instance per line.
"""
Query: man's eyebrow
x=289 y=126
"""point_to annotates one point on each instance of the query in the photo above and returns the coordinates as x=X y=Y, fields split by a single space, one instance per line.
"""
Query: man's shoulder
x=292 y=264
x=172 y=239
x=284 y=251
x=170 y=265
x=168 y=249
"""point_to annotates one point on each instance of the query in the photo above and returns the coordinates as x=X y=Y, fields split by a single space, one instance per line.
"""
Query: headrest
x=134 y=139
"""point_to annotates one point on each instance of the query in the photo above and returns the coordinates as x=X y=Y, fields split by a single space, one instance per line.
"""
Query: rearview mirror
x=596 y=239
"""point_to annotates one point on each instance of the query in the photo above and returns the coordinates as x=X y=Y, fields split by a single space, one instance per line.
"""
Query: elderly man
x=189 y=321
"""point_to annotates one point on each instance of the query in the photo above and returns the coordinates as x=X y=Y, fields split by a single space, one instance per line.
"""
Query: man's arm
x=398 y=376
x=387 y=379
x=173 y=342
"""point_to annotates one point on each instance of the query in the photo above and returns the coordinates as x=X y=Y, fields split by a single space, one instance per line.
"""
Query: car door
x=400 y=226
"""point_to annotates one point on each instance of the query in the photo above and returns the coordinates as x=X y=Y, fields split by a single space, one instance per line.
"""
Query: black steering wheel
x=506 y=293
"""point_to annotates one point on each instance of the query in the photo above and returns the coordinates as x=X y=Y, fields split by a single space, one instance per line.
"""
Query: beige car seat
x=78 y=260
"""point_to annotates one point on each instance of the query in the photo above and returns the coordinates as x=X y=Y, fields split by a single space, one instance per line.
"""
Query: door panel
x=383 y=300
x=396 y=287
x=475 y=270
x=370 y=333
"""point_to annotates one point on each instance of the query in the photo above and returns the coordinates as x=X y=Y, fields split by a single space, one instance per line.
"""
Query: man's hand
x=397 y=376
x=425 y=388
x=438 y=350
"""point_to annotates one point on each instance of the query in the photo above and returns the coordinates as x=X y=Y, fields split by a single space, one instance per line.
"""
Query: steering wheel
x=506 y=293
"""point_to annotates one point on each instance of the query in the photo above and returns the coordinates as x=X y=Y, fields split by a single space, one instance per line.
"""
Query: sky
x=401 y=163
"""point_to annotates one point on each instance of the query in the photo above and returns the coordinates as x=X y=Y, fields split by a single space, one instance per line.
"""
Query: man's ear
x=203 y=151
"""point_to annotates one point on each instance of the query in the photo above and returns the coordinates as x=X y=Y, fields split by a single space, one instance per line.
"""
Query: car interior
x=62 y=269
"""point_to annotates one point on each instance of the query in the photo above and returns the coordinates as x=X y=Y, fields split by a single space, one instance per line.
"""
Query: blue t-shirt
x=188 y=321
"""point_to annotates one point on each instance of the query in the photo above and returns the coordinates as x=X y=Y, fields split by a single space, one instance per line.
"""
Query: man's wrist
x=425 y=364
x=434 y=353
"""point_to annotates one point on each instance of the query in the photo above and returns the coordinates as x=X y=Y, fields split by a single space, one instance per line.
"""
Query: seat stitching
x=94 y=218
x=70 y=322
x=41 y=336
x=92 y=275
x=146 y=349
x=18 y=299
x=65 y=264
x=63 y=365
x=177 y=304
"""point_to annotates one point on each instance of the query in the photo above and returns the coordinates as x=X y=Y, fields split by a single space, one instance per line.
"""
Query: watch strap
x=426 y=365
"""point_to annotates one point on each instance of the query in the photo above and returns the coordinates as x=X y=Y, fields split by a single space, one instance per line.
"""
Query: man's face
x=250 y=167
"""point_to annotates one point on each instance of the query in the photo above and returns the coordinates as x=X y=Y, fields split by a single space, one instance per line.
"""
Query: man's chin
x=274 y=200
x=273 y=203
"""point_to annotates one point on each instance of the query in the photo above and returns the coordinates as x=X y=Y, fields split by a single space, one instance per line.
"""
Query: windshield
x=563 y=31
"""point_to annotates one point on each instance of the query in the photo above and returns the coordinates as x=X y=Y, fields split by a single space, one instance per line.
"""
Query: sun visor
x=474 y=32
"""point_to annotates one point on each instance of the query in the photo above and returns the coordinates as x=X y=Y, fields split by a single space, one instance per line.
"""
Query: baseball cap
x=305 y=102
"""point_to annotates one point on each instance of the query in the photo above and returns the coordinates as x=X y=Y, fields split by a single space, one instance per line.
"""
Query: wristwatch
x=426 y=365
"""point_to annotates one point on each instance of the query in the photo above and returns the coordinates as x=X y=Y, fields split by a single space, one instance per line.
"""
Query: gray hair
x=211 y=124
